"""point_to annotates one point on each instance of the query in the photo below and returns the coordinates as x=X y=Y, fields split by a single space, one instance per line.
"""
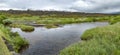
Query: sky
x=90 y=6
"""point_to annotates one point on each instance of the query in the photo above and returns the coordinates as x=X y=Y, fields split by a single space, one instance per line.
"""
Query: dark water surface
x=45 y=41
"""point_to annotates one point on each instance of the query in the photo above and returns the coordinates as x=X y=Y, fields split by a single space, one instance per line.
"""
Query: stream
x=45 y=41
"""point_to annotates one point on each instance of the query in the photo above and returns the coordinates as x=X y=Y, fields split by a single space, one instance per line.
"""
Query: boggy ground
x=23 y=21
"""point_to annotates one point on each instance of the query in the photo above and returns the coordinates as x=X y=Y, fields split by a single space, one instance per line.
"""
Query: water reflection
x=45 y=41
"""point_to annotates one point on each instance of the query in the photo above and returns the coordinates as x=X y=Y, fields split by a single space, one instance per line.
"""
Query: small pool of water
x=45 y=41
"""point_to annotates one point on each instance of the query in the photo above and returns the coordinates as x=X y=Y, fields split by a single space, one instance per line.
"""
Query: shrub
x=2 y=18
x=7 y=22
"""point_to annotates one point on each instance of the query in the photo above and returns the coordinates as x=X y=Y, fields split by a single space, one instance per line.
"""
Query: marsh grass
x=23 y=27
x=59 y=20
x=27 y=28
x=3 y=48
x=97 y=41
x=50 y=26
x=13 y=38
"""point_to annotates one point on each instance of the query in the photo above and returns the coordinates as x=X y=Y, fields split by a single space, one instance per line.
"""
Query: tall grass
x=3 y=48
x=97 y=41
x=13 y=38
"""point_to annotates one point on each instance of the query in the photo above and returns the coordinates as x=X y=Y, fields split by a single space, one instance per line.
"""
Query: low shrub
x=2 y=17
x=7 y=22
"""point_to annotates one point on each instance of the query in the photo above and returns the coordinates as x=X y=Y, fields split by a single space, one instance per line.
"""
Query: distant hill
x=52 y=13
x=115 y=13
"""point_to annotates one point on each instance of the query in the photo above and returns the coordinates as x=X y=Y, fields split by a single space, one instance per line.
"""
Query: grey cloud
x=101 y=6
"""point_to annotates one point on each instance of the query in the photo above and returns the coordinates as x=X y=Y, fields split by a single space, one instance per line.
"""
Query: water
x=45 y=41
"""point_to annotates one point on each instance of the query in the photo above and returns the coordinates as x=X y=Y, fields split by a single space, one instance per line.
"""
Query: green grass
x=27 y=28
x=92 y=44
x=61 y=20
x=23 y=27
x=26 y=19
x=3 y=48
x=50 y=26
x=97 y=41
x=12 y=38
x=54 y=20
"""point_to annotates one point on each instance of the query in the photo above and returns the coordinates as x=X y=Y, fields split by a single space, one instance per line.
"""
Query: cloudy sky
x=99 y=6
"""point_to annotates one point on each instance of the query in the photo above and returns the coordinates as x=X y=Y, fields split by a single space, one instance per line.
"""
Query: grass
x=12 y=38
x=61 y=20
x=27 y=28
x=97 y=41
x=51 y=21
x=3 y=48
x=50 y=26
x=56 y=19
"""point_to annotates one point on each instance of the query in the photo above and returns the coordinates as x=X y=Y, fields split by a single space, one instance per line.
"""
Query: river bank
x=97 y=41
x=10 y=41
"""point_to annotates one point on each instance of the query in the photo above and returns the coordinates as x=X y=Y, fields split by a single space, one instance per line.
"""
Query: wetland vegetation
x=96 y=41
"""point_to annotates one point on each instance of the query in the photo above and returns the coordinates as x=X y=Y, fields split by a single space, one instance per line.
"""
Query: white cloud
x=101 y=6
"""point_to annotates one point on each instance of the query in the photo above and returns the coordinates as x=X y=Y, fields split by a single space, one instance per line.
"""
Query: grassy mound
x=27 y=28
x=51 y=26
x=97 y=41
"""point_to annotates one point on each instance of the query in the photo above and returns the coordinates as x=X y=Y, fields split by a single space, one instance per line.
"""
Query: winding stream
x=45 y=41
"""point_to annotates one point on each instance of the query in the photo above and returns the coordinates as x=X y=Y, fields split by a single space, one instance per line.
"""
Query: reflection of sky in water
x=50 y=41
